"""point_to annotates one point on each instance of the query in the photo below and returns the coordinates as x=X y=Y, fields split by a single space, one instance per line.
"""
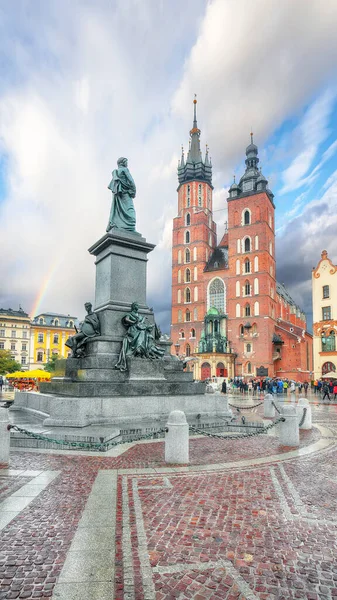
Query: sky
x=83 y=83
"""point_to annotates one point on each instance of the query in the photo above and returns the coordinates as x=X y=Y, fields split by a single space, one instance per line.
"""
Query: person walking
x=305 y=385
x=224 y=387
x=335 y=390
x=1 y=383
x=326 y=391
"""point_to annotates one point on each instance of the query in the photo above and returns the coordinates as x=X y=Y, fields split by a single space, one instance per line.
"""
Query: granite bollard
x=4 y=437
x=177 y=438
x=302 y=404
x=268 y=407
x=288 y=430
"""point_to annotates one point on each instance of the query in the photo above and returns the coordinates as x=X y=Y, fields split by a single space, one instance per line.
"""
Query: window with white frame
x=39 y=357
x=246 y=217
x=247 y=265
x=2 y=333
x=246 y=245
x=24 y=335
x=256 y=264
x=13 y=334
x=187 y=237
x=188 y=219
x=187 y=276
x=237 y=266
x=187 y=256
x=187 y=316
x=40 y=338
x=23 y=360
x=256 y=285
x=187 y=295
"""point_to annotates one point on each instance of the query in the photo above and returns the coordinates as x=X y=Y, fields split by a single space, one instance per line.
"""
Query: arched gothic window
x=249 y=367
x=187 y=276
x=216 y=295
x=187 y=316
x=247 y=265
x=247 y=288
x=187 y=295
x=247 y=245
x=187 y=256
x=248 y=348
x=188 y=350
x=188 y=219
x=246 y=217
x=187 y=237
x=247 y=310
x=193 y=332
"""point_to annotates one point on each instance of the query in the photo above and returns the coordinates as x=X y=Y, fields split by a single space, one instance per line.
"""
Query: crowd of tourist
x=284 y=386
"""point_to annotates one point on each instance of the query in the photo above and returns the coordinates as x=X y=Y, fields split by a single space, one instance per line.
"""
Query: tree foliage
x=7 y=364
x=50 y=365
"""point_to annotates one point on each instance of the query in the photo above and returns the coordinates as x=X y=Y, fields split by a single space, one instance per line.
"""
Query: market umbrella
x=16 y=374
x=331 y=375
x=37 y=374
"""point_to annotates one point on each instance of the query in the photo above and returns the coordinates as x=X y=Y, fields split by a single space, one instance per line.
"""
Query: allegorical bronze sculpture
x=122 y=213
x=139 y=339
x=89 y=328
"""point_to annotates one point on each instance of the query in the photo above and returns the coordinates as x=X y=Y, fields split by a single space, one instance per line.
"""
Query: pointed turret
x=195 y=168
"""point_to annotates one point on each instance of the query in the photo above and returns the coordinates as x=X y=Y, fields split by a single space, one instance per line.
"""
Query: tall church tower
x=251 y=295
x=194 y=238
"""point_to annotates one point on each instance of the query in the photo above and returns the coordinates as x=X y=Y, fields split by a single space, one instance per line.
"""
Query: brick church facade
x=229 y=314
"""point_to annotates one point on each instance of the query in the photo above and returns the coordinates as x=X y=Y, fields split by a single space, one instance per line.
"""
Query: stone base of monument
x=148 y=391
x=68 y=411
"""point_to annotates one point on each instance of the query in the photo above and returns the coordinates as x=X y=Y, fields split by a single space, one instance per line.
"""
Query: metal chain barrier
x=244 y=407
x=303 y=417
x=97 y=446
x=240 y=435
x=276 y=408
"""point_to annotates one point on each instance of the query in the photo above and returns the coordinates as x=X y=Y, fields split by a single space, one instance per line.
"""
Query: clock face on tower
x=248 y=186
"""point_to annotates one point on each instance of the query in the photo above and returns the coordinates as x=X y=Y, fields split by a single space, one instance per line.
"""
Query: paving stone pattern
x=130 y=527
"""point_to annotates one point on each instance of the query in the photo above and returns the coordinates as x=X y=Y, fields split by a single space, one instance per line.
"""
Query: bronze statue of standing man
x=122 y=213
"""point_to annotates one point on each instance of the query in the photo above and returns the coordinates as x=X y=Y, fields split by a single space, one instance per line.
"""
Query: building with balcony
x=324 y=304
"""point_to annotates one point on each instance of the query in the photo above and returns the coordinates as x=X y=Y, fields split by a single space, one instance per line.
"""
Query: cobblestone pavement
x=246 y=519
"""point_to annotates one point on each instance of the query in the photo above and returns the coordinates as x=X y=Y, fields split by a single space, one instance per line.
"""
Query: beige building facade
x=15 y=335
x=324 y=301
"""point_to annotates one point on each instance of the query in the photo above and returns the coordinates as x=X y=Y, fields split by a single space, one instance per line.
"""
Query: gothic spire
x=194 y=154
x=194 y=168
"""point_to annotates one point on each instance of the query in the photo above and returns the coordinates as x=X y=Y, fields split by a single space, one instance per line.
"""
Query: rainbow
x=44 y=287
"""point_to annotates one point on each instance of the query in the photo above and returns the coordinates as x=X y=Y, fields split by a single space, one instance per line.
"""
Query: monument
x=121 y=371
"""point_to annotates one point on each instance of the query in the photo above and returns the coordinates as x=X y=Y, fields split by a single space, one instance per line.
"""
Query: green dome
x=213 y=311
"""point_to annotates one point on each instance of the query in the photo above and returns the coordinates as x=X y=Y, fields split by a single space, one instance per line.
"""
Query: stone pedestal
x=303 y=403
x=268 y=408
x=121 y=261
x=177 y=438
x=4 y=437
x=288 y=430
